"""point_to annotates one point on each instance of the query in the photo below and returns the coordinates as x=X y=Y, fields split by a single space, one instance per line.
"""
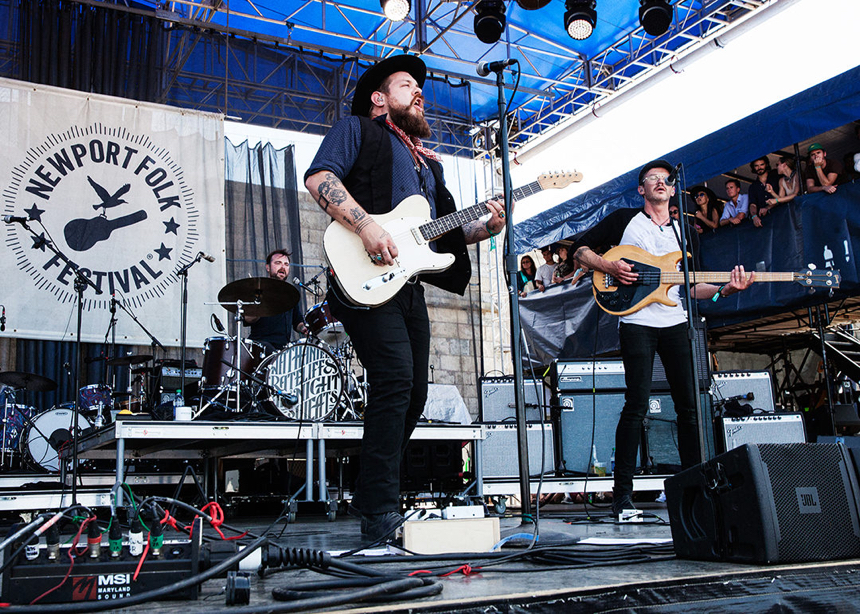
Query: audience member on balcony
x=822 y=175
x=526 y=276
x=766 y=180
x=789 y=183
x=737 y=205
x=708 y=210
x=568 y=267
x=543 y=277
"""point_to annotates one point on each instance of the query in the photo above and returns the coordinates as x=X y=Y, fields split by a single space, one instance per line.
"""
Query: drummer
x=275 y=332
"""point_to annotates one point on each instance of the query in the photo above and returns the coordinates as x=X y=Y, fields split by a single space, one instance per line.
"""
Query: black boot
x=622 y=499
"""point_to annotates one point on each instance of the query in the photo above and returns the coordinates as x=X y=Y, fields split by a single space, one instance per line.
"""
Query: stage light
x=396 y=10
x=489 y=20
x=580 y=18
x=532 y=5
x=655 y=16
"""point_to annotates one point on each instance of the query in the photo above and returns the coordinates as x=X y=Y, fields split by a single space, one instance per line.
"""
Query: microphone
x=206 y=257
x=3 y=320
x=12 y=219
x=485 y=68
x=299 y=283
x=672 y=179
x=218 y=324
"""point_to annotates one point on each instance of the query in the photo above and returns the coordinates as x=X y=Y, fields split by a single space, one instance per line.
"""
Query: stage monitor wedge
x=767 y=503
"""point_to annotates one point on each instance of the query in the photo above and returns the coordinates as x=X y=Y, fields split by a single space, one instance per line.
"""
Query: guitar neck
x=706 y=277
x=436 y=228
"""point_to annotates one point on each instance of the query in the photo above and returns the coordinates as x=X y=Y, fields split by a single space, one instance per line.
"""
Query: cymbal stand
x=182 y=273
x=81 y=284
x=240 y=315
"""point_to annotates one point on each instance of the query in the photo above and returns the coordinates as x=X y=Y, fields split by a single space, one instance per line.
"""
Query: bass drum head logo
x=114 y=203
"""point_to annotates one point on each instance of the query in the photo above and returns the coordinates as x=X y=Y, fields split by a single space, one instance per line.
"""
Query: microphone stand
x=706 y=447
x=511 y=267
x=183 y=317
x=81 y=283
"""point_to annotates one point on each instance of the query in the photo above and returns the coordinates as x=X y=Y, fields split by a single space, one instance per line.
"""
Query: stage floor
x=666 y=586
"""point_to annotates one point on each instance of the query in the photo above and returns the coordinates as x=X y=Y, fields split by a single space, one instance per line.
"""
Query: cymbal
x=139 y=370
x=28 y=381
x=134 y=359
x=275 y=296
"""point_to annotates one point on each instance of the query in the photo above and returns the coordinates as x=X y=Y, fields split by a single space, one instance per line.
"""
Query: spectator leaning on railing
x=737 y=205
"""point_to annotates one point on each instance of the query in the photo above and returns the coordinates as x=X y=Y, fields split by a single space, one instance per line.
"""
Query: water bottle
x=612 y=462
x=178 y=402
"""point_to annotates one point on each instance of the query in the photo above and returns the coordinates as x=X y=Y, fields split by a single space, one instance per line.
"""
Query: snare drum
x=217 y=351
x=47 y=434
x=310 y=372
x=324 y=326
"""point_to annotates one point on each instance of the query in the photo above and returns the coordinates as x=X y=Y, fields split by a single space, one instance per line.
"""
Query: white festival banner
x=127 y=191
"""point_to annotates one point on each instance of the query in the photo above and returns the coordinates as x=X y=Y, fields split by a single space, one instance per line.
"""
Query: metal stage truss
x=292 y=65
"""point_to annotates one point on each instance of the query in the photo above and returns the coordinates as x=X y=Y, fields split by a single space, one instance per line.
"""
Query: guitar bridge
x=381 y=280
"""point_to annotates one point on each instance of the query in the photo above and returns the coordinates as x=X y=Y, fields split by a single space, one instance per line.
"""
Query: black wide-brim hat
x=712 y=197
x=376 y=74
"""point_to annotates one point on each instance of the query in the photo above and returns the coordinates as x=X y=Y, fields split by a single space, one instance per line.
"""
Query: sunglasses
x=700 y=194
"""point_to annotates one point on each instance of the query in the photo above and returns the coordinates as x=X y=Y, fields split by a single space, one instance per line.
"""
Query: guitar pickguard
x=619 y=298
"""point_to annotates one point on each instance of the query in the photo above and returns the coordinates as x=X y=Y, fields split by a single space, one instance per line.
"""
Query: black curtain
x=262 y=208
x=90 y=48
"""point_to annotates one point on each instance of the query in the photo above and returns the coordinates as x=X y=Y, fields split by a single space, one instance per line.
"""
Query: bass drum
x=310 y=372
x=47 y=434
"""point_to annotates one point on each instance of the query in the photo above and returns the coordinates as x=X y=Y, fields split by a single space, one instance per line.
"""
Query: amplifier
x=497 y=399
x=762 y=428
x=733 y=383
x=499 y=458
x=567 y=376
x=586 y=416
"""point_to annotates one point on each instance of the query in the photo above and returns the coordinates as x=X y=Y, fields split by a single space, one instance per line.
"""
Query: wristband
x=490 y=232
x=718 y=295
x=755 y=217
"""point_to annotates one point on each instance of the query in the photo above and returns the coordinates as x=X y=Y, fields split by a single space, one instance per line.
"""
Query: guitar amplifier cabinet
x=585 y=375
x=733 y=383
x=497 y=399
x=582 y=414
x=499 y=458
x=762 y=428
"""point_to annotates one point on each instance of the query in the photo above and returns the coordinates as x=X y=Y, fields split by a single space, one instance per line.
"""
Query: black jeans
x=638 y=345
x=392 y=342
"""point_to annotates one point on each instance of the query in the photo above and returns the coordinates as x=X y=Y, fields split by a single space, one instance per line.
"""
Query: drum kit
x=311 y=379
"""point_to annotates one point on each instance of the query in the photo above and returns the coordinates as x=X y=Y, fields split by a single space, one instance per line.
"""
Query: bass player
x=654 y=328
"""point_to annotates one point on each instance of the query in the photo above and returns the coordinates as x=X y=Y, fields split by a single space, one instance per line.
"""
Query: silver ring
x=379 y=257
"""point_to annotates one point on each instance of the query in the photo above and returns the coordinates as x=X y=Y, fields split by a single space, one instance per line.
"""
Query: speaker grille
x=810 y=493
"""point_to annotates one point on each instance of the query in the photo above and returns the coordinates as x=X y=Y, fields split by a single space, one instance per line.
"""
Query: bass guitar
x=410 y=225
x=659 y=273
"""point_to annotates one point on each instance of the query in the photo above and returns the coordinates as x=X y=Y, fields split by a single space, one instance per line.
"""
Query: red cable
x=466 y=569
x=142 y=558
x=71 y=559
x=217 y=515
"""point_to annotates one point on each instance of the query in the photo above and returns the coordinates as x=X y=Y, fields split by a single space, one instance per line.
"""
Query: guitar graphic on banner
x=659 y=273
x=409 y=223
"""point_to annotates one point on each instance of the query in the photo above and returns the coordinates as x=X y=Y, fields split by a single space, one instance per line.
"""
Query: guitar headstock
x=815 y=278
x=556 y=181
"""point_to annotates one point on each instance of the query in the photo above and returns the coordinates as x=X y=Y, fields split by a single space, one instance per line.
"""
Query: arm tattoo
x=365 y=220
x=474 y=232
x=331 y=192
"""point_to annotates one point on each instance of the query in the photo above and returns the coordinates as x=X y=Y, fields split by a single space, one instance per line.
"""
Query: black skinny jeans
x=392 y=342
x=638 y=345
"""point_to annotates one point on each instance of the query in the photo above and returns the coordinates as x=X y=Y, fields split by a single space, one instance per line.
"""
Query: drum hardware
x=131 y=359
x=254 y=297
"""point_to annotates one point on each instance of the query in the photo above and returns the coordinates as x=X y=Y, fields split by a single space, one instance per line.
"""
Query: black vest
x=369 y=182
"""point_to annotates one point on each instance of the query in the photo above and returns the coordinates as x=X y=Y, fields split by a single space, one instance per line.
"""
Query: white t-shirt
x=658 y=241
x=544 y=273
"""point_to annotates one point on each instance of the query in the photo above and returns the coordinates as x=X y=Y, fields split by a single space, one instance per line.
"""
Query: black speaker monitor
x=767 y=503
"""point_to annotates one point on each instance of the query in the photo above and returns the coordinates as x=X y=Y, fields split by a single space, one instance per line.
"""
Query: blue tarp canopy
x=822 y=230
x=814 y=111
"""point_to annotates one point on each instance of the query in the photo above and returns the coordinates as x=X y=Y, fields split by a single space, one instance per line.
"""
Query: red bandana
x=414 y=145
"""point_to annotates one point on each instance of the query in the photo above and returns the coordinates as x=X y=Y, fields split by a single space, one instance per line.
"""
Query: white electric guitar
x=409 y=224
